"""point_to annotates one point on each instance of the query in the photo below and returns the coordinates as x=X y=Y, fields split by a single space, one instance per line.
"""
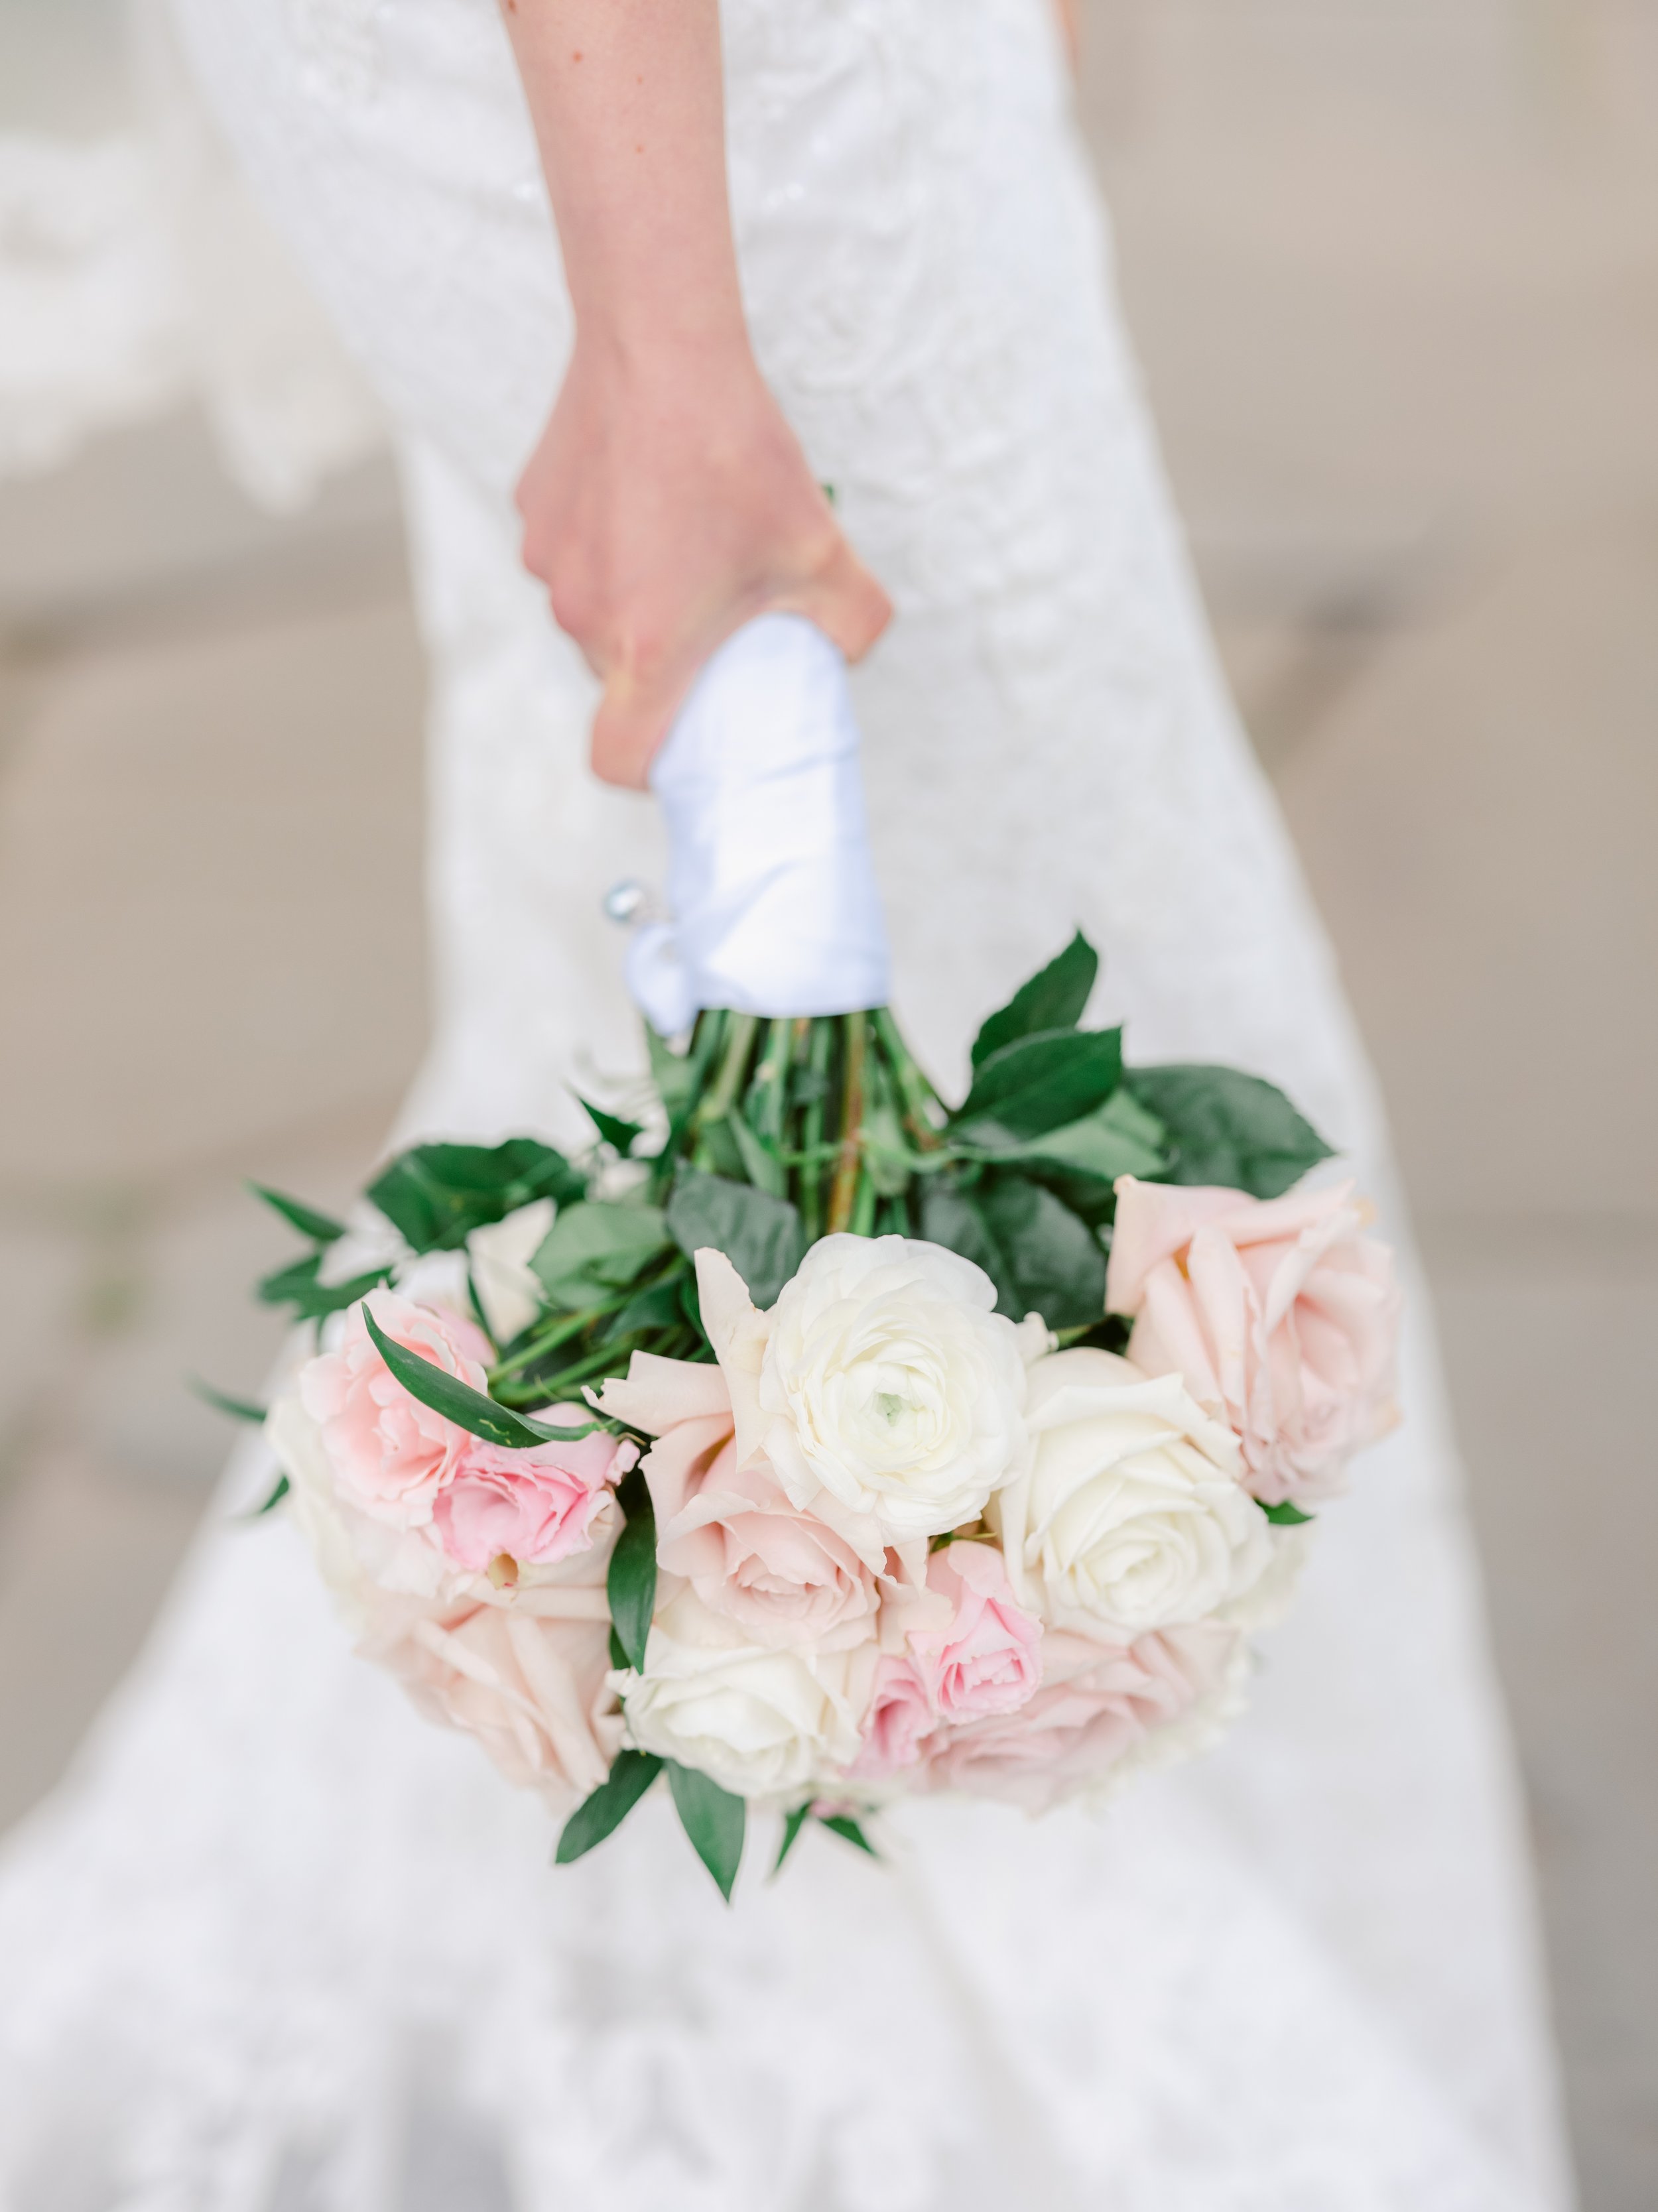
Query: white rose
x=312 y=1505
x=1130 y=1514
x=761 y=1722
x=509 y=1291
x=891 y=1383
x=1265 y=1602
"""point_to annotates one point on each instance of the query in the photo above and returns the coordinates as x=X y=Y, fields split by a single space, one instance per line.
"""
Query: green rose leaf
x=761 y=1236
x=631 y=1582
x=1119 y=1137
x=1286 y=1516
x=238 y=1409
x=297 y=1285
x=1042 y=1083
x=281 y=1491
x=320 y=1228
x=623 y=1134
x=656 y=1308
x=759 y=1163
x=713 y=1819
x=458 y=1402
x=437 y=1194
x=1229 y=1128
x=843 y=1825
x=595 y=1248
x=604 y=1812
x=1039 y=1255
x=791 y=1828
x=1053 y=1000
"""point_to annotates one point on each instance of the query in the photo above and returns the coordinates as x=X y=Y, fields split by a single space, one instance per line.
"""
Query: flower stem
x=812 y=1145
x=739 y=1040
x=845 y=1190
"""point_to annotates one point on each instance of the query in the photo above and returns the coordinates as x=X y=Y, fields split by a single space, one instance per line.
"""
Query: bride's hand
x=668 y=502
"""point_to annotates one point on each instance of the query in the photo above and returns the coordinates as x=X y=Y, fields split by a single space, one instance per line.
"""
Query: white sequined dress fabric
x=279 y=1945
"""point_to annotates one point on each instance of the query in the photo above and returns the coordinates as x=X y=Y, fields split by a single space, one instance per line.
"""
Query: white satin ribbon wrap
x=770 y=880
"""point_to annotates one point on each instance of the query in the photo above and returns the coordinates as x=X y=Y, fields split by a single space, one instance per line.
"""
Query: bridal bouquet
x=809 y=1443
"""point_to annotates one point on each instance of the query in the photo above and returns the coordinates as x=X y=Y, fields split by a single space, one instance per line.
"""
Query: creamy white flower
x=312 y=1503
x=891 y=1383
x=1266 y=1601
x=1129 y=1513
x=762 y=1721
x=508 y=1291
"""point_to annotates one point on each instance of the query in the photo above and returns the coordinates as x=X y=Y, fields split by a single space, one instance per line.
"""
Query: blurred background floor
x=1394 y=273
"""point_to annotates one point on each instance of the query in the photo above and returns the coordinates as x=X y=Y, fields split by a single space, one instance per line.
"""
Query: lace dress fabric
x=280 y=1944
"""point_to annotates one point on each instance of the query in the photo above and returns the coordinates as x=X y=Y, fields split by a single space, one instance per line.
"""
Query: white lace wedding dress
x=279 y=1945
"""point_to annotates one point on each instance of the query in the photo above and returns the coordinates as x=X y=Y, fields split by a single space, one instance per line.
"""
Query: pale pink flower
x=533 y=1506
x=781 y=1574
x=534 y=1688
x=1097 y=1703
x=1280 y=1316
x=898 y=1722
x=391 y=1454
x=989 y=1658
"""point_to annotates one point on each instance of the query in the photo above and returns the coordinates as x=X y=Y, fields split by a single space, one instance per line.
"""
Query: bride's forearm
x=628 y=102
x=668 y=500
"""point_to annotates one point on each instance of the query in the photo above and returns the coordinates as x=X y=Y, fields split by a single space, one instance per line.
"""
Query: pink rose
x=1096 y=1703
x=532 y=1687
x=1280 y=1316
x=781 y=1574
x=988 y=1659
x=534 y=1506
x=899 y=1719
x=390 y=1454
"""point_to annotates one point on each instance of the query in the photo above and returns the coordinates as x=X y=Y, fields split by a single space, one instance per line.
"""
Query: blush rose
x=1281 y=1317
x=391 y=1456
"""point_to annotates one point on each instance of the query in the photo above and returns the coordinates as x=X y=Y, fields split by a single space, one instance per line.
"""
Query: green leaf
x=297 y=1285
x=458 y=1402
x=296 y=1279
x=604 y=1812
x=1119 y=1137
x=320 y=1228
x=238 y=1409
x=623 y=1134
x=1229 y=1128
x=761 y=1236
x=1053 y=1000
x=1040 y=1256
x=759 y=1163
x=1286 y=1516
x=713 y=1819
x=1043 y=1082
x=275 y=1499
x=596 y=1248
x=631 y=1582
x=437 y=1194
x=791 y=1828
x=843 y=1825
x=656 y=1308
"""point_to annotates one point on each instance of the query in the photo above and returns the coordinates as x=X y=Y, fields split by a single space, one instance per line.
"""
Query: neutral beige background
x=1393 y=268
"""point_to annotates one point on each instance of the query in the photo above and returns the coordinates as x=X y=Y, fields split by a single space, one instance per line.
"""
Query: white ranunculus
x=509 y=1291
x=1129 y=1513
x=762 y=1721
x=890 y=1381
